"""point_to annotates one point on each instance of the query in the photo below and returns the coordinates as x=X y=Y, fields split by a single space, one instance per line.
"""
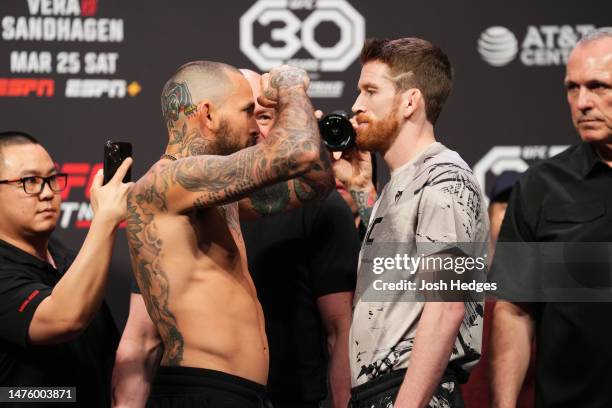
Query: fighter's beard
x=225 y=142
x=378 y=135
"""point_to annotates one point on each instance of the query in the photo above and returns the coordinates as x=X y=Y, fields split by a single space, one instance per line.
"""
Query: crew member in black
x=303 y=264
x=566 y=199
x=55 y=329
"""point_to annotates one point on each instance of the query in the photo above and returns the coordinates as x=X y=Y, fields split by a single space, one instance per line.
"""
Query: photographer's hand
x=354 y=169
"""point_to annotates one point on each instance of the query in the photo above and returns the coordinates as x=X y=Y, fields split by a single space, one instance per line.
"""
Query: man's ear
x=410 y=101
x=207 y=114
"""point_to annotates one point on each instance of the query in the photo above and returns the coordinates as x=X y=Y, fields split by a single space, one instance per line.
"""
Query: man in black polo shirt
x=566 y=199
x=303 y=265
x=55 y=330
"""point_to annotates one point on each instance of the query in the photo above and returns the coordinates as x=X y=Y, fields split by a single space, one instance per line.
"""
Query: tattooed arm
x=293 y=148
x=354 y=170
x=313 y=185
x=364 y=199
x=290 y=194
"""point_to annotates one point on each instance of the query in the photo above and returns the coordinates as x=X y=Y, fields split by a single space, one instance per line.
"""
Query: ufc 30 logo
x=296 y=34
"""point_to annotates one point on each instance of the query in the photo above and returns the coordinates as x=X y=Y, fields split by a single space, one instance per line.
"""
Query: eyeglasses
x=36 y=184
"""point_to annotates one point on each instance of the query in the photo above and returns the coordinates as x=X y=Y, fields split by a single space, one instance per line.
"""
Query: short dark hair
x=418 y=64
x=11 y=138
x=189 y=84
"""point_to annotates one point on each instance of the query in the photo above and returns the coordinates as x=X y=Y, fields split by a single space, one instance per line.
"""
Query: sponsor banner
x=76 y=211
x=35 y=35
x=541 y=46
x=276 y=32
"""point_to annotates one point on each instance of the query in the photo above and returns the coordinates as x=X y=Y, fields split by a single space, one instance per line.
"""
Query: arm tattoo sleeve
x=314 y=184
x=292 y=148
x=364 y=205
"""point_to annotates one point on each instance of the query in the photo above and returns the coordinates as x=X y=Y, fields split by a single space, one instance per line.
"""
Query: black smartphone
x=114 y=154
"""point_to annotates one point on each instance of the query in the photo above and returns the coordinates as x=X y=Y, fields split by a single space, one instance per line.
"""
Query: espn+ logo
x=546 y=45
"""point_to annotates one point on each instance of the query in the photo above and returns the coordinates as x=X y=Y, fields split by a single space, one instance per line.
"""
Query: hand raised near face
x=283 y=77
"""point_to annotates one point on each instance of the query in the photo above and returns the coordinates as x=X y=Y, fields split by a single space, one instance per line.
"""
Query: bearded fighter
x=184 y=234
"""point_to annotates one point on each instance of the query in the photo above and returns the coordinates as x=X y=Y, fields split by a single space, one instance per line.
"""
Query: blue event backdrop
x=76 y=73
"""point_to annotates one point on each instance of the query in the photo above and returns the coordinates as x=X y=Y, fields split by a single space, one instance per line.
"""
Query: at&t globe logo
x=541 y=46
x=498 y=46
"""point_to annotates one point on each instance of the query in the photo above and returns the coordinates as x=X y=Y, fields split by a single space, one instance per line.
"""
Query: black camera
x=337 y=131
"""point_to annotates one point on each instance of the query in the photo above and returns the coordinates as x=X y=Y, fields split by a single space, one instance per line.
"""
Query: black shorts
x=382 y=391
x=188 y=387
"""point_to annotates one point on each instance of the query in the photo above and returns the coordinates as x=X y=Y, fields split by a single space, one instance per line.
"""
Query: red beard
x=377 y=135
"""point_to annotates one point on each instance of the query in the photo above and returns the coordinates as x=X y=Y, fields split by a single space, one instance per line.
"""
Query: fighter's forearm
x=339 y=371
x=335 y=313
x=436 y=333
x=510 y=346
x=137 y=358
x=135 y=367
x=318 y=181
x=296 y=133
x=295 y=138
x=291 y=149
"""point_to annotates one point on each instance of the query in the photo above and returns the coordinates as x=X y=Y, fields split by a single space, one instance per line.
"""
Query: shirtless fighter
x=184 y=235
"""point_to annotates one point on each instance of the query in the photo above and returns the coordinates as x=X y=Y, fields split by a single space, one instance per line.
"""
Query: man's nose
x=46 y=193
x=358 y=105
x=584 y=99
x=253 y=127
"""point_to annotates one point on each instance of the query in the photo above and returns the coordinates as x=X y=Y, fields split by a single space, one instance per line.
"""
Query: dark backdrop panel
x=517 y=104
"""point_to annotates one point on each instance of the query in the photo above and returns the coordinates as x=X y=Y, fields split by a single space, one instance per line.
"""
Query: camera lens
x=336 y=131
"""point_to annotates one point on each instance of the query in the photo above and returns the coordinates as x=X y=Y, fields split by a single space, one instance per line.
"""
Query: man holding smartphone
x=55 y=329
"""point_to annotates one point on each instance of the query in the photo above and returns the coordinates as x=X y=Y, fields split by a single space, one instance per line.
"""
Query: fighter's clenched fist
x=282 y=77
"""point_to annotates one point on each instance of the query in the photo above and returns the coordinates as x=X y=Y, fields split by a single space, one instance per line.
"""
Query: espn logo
x=24 y=87
x=96 y=88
